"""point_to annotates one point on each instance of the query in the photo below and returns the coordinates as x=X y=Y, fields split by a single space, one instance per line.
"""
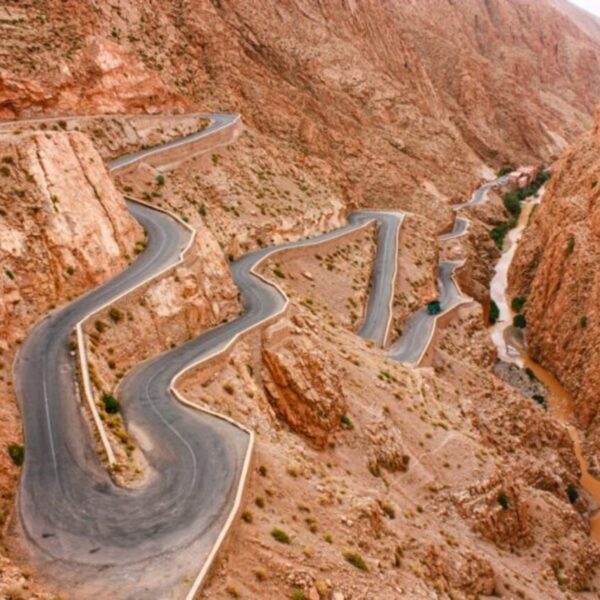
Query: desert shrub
x=16 y=453
x=9 y=274
x=280 y=536
x=539 y=399
x=570 y=245
x=572 y=493
x=278 y=273
x=111 y=404
x=346 y=422
x=160 y=180
x=503 y=500
x=247 y=516
x=583 y=322
x=115 y=314
x=504 y=171
x=356 y=560
x=298 y=595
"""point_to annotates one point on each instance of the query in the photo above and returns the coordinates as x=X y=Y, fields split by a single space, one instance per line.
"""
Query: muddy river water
x=507 y=342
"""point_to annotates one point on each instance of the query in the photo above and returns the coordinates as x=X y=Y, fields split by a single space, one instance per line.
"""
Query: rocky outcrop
x=460 y=573
x=555 y=271
x=103 y=79
x=386 y=449
x=497 y=510
x=63 y=226
x=302 y=381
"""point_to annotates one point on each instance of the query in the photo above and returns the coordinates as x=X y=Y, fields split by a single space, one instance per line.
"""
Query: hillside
x=370 y=478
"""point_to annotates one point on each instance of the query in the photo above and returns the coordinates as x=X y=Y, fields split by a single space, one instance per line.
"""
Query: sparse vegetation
x=503 y=500
x=572 y=493
x=9 y=274
x=520 y=321
x=16 y=453
x=115 y=314
x=280 y=536
x=494 y=313
x=278 y=273
x=356 y=560
x=517 y=304
x=111 y=404
x=298 y=595
x=160 y=179
x=570 y=245
x=583 y=322
x=346 y=422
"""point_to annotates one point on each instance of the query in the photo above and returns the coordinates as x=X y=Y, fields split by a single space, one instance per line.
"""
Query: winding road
x=92 y=537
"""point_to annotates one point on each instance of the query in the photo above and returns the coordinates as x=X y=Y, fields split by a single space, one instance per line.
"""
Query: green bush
x=298 y=595
x=280 y=536
x=520 y=321
x=512 y=203
x=16 y=453
x=278 y=273
x=540 y=400
x=111 y=404
x=503 y=500
x=583 y=322
x=356 y=560
x=160 y=180
x=504 y=171
x=499 y=232
x=572 y=493
x=570 y=245
x=346 y=422
x=518 y=303
x=115 y=314
x=494 y=312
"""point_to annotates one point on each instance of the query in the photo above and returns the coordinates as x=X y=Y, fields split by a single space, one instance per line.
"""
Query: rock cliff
x=555 y=270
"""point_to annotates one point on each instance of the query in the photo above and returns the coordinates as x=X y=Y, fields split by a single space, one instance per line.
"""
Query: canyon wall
x=402 y=100
x=556 y=270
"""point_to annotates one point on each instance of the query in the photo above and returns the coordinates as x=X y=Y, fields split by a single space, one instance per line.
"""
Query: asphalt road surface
x=91 y=537
x=418 y=329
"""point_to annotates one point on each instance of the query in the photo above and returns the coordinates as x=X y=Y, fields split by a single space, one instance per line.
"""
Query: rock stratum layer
x=556 y=270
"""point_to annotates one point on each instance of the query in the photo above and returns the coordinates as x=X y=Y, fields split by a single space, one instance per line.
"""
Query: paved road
x=378 y=314
x=91 y=536
x=418 y=329
x=95 y=538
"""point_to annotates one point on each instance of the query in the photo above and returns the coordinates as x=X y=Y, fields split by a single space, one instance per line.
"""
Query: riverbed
x=511 y=347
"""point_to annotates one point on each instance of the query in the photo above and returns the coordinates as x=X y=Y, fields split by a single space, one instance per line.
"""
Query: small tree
x=494 y=312
x=520 y=321
x=517 y=304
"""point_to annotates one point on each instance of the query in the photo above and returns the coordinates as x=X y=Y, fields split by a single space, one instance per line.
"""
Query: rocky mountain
x=404 y=100
x=555 y=270
x=382 y=480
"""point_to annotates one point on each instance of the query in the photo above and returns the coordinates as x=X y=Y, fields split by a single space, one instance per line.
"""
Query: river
x=512 y=349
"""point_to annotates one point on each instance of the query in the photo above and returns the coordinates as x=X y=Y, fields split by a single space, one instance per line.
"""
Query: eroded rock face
x=105 y=79
x=386 y=449
x=63 y=226
x=460 y=574
x=555 y=270
x=497 y=510
x=303 y=383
